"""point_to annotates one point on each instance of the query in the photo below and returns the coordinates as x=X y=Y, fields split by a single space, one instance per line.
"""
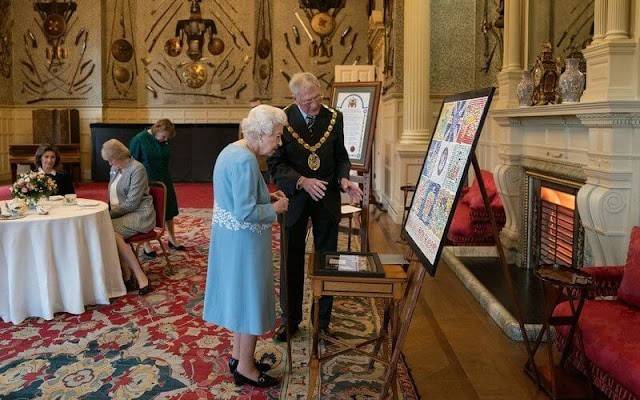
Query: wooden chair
x=158 y=192
x=364 y=180
x=361 y=210
x=406 y=189
x=349 y=211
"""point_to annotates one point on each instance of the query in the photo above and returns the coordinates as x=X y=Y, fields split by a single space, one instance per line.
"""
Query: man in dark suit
x=311 y=168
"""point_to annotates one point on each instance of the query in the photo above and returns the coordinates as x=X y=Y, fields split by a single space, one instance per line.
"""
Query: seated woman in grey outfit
x=130 y=205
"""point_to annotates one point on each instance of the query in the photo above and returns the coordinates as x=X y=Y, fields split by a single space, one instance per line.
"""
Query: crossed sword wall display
x=324 y=24
x=55 y=79
x=199 y=73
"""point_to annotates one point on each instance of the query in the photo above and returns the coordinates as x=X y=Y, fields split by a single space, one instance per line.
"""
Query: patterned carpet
x=158 y=346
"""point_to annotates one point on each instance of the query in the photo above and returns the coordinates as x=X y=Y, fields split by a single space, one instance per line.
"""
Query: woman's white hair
x=113 y=149
x=261 y=121
x=302 y=81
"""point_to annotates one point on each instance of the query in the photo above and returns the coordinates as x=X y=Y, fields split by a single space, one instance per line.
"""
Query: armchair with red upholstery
x=606 y=347
x=470 y=224
x=158 y=192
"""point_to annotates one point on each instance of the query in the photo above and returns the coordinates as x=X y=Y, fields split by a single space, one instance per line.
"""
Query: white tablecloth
x=58 y=262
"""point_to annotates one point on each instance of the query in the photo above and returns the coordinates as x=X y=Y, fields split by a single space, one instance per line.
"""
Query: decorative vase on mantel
x=525 y=89
x=571 y=83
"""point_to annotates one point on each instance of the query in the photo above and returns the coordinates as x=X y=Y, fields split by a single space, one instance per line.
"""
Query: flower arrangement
x=33 y=186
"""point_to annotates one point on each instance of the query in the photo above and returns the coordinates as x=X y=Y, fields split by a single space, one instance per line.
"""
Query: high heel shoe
x=131 y=284
x=151 y=254
x=145 y=290
x=174 y=247
x=263 y=381
x=260 y=366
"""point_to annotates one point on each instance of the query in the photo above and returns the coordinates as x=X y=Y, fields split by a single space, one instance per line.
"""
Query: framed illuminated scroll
x=358 y=102
x=443 y=171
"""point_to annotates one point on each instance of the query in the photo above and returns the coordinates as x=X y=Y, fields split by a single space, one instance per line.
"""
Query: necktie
x=310 y=120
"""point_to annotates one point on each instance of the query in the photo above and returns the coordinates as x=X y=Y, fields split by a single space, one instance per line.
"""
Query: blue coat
x=239 y=293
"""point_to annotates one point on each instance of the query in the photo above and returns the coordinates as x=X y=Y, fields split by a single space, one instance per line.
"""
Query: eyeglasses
x=307 y=102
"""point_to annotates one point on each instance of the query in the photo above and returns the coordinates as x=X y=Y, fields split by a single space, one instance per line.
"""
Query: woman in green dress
x=151 y=148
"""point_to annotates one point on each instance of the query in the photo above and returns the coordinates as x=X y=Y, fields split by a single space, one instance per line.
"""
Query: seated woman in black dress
x=47 y=161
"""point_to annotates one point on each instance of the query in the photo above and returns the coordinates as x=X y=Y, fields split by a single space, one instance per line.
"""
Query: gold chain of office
x=314 y=161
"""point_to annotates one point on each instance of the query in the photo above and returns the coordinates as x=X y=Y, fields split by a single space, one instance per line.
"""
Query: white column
x=508 y=173
x=416 y=93
x=618 y=19
x=612 y=61
x=512 y=60
x=599 y=20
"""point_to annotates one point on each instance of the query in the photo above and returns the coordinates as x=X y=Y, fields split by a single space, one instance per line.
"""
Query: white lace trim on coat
x=225 y=219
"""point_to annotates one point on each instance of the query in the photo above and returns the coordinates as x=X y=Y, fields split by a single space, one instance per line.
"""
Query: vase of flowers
x=32 y=187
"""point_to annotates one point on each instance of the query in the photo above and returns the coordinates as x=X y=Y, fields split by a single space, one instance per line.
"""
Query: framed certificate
x=342 y=263
x=443 y=171
x=358 y=102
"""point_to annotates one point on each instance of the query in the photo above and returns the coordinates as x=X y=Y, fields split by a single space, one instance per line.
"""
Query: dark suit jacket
x=289 y=162
x=64 y=182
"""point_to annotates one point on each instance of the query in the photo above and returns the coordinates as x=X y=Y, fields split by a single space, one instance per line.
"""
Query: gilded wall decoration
x=54 y=63
x=5 y=40
x=263 y=58
x=122 y=67
x=181 y=67
x=313 y=43
x=156 y=52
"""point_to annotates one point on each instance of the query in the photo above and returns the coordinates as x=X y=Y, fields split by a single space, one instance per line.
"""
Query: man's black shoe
x=281 y=333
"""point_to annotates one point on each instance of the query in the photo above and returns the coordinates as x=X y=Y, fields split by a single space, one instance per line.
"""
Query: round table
x=58 y=262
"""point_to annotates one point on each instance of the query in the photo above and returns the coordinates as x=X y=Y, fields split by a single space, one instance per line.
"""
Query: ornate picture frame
x=358 y=102
x=443 y=173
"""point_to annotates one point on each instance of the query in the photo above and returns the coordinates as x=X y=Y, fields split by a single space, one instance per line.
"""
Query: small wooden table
x=390 y=287
x=560 y=283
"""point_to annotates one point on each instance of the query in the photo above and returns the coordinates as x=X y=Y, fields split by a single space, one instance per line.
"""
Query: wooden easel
x=416 y=280
x=284 y=244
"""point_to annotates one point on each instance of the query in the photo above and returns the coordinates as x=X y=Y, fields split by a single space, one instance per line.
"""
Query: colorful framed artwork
x=443 y=172
x=358 y=102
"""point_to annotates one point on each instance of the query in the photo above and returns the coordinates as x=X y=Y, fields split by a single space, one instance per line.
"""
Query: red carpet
x=157 y=346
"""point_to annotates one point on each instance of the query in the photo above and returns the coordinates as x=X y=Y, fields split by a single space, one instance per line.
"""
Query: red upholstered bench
x=470 y=224
x=610 y=329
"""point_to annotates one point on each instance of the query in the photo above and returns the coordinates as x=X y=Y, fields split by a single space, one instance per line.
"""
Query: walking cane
x=284 y=244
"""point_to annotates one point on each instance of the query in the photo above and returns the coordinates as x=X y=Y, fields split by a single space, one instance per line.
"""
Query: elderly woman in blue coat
x=239 y=294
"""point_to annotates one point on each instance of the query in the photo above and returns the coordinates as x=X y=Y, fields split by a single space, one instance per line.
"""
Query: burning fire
x=557 y=197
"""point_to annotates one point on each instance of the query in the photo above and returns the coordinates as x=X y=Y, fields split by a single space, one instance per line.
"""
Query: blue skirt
x=239 y=294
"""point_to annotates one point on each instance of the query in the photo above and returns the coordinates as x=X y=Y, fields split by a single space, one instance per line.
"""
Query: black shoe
x=260 y=366
x=145 y=290
x=263 y=381
x=151 y=254
x=131 y=284
x=281 y=333
x=178 y=247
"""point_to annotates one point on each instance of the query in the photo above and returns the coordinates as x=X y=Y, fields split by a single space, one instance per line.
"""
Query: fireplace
x=555 y=234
